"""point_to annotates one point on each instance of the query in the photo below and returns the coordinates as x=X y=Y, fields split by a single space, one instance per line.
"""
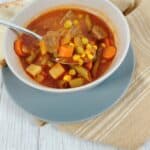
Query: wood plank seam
x=38 y=139
x=1 y=88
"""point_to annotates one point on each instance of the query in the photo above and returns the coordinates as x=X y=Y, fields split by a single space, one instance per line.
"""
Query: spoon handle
x=18 y=28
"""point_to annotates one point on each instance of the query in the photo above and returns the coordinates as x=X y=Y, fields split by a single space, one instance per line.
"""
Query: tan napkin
x=127 y=124
x=7 y=11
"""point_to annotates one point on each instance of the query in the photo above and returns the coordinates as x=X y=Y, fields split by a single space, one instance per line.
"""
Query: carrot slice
x=66 y=51
x=109 y=52
x=18 y=48
x=89 y=65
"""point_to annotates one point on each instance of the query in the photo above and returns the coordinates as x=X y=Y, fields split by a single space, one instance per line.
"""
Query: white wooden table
x=18 y=132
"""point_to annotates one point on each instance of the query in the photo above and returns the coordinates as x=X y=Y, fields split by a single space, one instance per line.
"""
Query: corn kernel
x=83 y=55
x=68 y=24
x=84 y=40
x=75 y=22
x=71 y=44
x=89 y=46
x=80 y=50
x=90 y=56
x=80 y=61
x=76 y=57
x=72 y=72
x=67 y=78
x=88 y=52
x=95 y=47
x=103 y=45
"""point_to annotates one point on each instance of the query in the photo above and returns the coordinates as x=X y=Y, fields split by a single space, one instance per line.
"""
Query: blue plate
x=72 y=106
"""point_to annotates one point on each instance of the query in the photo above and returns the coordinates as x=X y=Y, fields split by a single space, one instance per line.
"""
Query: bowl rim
x=84 y=87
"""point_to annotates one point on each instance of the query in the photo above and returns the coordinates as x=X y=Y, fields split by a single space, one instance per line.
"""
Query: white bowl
x=103 y=8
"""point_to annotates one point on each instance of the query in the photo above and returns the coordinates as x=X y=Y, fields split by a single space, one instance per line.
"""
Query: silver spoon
x=26 y=31
x=19 y=28
x=37 y=36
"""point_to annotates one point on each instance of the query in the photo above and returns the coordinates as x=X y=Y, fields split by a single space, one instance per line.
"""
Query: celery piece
x=83 y=72
x=76 y=82
x=88 y=22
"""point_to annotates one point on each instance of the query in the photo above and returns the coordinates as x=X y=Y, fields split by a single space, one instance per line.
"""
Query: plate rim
x=96 y=114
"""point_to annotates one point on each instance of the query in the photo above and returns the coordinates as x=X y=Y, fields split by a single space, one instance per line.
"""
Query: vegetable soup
x=82 y=41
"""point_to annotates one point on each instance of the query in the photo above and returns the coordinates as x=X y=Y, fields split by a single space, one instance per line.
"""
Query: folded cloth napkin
x=124 y=5
x=7 y=10
x=126 y=125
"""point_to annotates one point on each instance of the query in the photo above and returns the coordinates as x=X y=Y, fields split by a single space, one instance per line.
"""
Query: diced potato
x=34 y=69
x=83 y=72
x=76 y=82
x=56 y=71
